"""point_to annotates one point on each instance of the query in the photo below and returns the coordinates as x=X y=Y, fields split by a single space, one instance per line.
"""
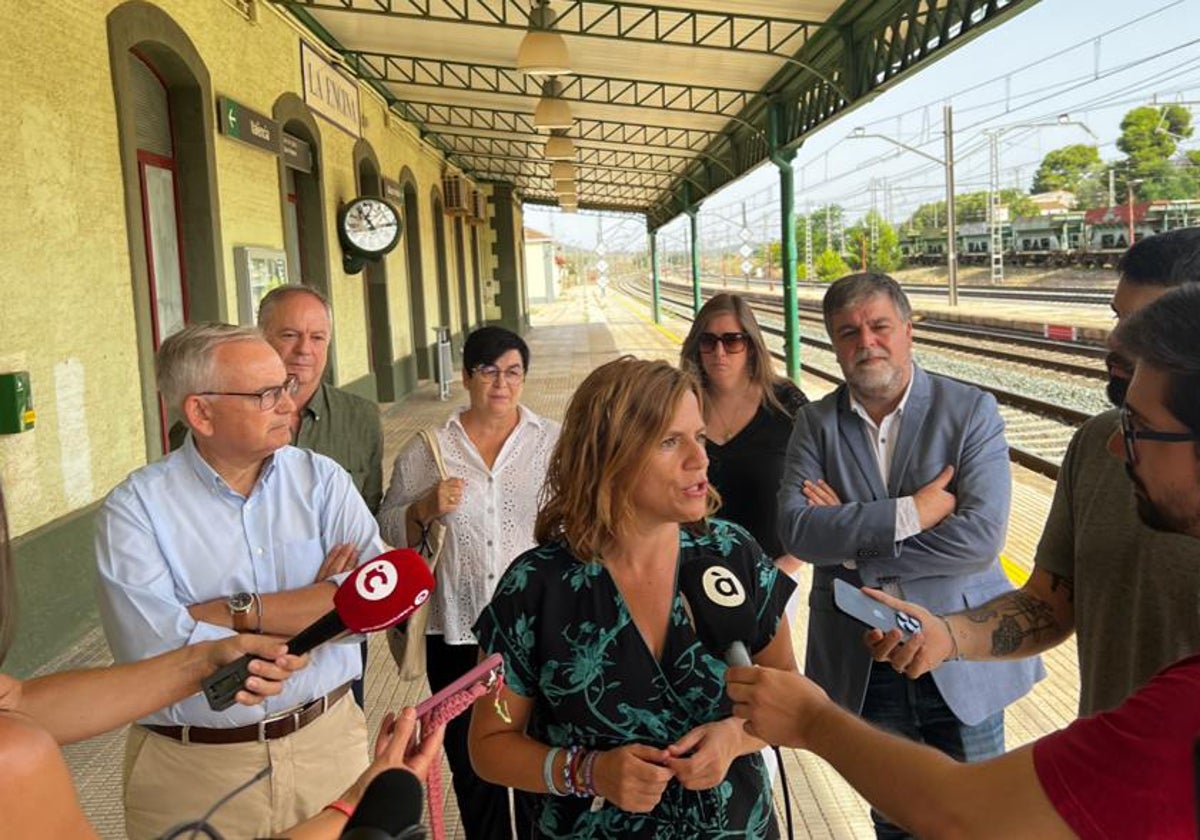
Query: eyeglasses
x=1131 y=434
x=733 y=342
x=267 y=398
x=514 y=375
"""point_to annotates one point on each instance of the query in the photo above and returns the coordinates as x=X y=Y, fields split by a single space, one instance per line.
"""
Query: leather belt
x=268 y=729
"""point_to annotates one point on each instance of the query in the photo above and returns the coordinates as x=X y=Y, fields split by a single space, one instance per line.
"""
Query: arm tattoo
x=1015 y=618
x=1065 y=583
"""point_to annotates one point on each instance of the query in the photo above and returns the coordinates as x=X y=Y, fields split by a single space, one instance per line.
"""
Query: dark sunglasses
x=733 y=342
x=1131 y=435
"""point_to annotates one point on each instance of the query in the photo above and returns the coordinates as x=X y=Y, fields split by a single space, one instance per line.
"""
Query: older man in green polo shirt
x=296 y=321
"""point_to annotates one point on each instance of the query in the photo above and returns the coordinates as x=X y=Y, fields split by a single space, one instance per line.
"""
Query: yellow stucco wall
x=67 y=310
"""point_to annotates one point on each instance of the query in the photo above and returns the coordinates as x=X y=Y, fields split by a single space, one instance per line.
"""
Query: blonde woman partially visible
x=748 y=410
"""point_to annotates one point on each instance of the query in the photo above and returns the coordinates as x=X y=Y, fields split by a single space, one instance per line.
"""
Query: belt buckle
x=293 y=713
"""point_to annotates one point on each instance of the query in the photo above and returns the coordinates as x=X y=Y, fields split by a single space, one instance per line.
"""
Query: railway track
x=1063 y=357
x=1037 y=430
x=1098 y=296
x=1085 y=297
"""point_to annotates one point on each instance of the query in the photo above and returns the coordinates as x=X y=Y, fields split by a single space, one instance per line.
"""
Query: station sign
x=241 y=123
x=329 y=93
x=393 y=192
x=295 y=152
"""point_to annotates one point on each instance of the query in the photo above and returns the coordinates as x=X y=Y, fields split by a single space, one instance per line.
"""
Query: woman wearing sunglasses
x=495 y=453
x=748 y=410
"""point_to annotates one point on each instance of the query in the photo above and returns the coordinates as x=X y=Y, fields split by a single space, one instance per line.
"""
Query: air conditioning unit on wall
x=454 y=194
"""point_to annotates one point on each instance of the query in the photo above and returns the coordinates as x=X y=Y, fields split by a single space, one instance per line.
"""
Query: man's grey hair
x=853 y=289
x=184 y=362
x=266 y=306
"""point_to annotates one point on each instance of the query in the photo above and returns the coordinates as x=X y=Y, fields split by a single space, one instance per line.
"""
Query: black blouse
x=747 y=468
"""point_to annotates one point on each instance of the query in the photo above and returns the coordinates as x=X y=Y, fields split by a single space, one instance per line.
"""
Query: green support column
x=691 y=210
x=655 y=301
x=782 y=158
x=695 y=247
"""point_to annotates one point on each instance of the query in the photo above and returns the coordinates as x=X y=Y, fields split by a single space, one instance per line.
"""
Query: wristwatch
x=240 y=605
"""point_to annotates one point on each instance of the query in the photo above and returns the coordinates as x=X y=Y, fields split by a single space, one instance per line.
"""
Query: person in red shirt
x=1125 y=773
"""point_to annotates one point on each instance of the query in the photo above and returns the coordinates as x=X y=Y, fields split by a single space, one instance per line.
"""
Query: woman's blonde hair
x=759 y=365
x=614 y=420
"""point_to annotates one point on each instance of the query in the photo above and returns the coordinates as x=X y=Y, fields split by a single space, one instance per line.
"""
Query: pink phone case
x=486 y=672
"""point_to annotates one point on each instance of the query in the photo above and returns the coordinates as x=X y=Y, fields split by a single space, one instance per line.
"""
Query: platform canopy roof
x=670 y=101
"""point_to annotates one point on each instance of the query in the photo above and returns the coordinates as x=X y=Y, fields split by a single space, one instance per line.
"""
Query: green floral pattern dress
x=570 y=645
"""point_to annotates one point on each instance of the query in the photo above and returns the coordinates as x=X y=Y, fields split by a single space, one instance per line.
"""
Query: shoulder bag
x=407 y=641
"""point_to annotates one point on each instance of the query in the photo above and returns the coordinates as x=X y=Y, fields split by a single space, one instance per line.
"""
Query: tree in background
x=1077 y=169
x=829 y=266
x=970 y=207
x=1151 y=135
x=1150 y=138
x=827 y=221
x=885 y=255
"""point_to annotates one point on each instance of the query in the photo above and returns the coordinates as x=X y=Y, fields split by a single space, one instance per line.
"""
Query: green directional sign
x=241 y=123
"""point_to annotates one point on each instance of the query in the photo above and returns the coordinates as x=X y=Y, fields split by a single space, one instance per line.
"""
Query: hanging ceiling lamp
x=559 y=146
x=543 y=52
x=552 y=111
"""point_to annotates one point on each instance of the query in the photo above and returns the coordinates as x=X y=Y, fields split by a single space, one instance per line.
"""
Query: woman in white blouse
x=495 y=451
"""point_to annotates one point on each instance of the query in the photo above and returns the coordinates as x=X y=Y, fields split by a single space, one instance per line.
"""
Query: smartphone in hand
x=855 y=603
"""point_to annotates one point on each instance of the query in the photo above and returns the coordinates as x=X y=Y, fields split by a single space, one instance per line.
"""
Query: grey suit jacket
x=950 y=567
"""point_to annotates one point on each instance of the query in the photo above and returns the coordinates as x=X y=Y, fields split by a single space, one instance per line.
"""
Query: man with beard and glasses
x=1123 y=773
x=900 y=480
x=1129 y=590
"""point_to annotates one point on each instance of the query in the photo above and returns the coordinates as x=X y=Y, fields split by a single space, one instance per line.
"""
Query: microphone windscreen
x=383 y=591
x=717 y=603
x=391 y=804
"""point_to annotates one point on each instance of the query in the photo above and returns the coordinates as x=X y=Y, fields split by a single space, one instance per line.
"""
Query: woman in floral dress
x=616 y=713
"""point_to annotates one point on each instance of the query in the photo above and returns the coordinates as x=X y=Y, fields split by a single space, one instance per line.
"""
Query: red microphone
x=377 y=595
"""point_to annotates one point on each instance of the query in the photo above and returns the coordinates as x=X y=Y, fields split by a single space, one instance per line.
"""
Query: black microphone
x=720 y=612
x=376 y=595
x=390 y=809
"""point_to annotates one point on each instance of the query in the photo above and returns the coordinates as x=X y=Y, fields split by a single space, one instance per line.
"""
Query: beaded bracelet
x=548 y=771
x=340 y=805
x=577 y=772
x=568 y=781
x=589 y=773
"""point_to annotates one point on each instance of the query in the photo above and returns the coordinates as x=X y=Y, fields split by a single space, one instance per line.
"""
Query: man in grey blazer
x=900 y=480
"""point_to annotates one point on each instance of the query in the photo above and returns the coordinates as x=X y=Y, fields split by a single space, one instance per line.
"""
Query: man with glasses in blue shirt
x=236 y=531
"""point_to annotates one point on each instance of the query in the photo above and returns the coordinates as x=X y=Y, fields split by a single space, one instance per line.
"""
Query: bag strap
x=430 y=438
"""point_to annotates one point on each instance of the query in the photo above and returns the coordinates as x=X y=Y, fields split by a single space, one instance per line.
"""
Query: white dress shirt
x=493 y=523
x=883 y=437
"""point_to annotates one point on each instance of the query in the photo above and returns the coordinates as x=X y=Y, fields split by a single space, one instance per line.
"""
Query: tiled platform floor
x=569 y=338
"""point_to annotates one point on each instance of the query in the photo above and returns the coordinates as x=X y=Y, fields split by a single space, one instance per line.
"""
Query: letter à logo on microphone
x=377 y=580
x=722 y=587
x=421 y=598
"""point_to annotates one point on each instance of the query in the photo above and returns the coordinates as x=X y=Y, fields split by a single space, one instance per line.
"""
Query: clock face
x=370 y=226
